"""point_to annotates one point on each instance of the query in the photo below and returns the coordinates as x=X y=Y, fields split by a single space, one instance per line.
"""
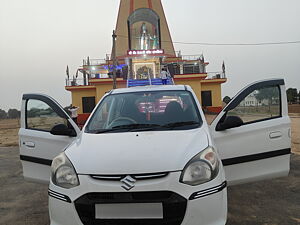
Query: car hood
x=136 y=152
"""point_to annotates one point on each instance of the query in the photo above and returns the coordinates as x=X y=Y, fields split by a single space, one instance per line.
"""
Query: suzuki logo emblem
x=128 y=183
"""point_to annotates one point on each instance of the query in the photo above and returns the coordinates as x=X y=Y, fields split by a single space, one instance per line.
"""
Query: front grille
x=174 y=207
x=135 y=176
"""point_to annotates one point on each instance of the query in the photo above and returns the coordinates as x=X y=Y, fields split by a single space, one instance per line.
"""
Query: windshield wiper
x=180 y=124
x=129 y=127
x=137 y=127
x=145 y=127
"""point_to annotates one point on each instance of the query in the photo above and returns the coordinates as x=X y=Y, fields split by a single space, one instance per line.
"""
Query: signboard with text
x=150 y=52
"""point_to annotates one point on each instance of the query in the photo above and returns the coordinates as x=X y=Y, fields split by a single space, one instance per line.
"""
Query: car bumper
x=204 y=204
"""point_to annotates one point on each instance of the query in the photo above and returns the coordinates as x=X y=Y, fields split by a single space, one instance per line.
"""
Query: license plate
x=129 y=211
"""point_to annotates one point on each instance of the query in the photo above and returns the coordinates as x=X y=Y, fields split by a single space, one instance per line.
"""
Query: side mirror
x=63 y=130
x=229 y=122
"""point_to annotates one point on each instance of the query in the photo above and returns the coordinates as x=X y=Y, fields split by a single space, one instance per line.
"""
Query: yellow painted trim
x=222 y=80
x=105 y=80
x=74 y=88
x=198 y=75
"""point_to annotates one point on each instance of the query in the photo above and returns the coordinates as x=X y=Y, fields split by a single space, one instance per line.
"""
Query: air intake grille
x=174 y=207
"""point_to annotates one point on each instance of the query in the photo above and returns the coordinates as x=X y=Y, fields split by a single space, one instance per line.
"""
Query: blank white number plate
x=129 y=211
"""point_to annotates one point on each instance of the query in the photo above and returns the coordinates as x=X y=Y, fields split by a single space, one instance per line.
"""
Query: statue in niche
x=146 y=40
x=155 y=44
x=145 y=37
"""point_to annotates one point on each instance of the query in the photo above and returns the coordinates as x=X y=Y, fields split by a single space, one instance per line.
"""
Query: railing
x=131 y=83
x=85 y=82
x=93 y=62
x=76 y=82
x=215 y=75
x=153 y=81
x=191 y=57
x=179 y=69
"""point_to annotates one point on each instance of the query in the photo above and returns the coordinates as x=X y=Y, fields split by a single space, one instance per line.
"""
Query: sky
x=39 y=38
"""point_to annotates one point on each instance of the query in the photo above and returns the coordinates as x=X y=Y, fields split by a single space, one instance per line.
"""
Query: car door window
x=101 y=118
x=40 y=116
x=261 y=104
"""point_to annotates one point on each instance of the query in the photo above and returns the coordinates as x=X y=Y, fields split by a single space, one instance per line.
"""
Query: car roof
x=149 y=88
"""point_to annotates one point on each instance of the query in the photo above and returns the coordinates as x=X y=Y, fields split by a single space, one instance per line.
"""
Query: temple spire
x=142 y=25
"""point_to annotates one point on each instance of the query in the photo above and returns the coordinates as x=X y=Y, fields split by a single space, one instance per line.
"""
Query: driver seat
x=131 y=111
x=173 y=112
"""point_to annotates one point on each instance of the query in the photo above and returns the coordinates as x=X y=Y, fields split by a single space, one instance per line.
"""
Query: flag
x=77 y=74
x=67 y=72
x=223 y=67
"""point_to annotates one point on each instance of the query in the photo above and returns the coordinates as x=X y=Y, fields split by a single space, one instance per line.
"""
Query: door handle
x=276 y=134
x=29 y=144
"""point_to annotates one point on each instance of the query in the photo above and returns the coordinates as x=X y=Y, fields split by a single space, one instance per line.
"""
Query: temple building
x=143 y=47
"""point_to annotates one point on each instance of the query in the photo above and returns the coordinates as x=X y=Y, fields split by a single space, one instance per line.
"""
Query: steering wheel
x=120 y=119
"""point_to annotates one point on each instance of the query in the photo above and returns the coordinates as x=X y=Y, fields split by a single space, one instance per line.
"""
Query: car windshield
x=145 y=111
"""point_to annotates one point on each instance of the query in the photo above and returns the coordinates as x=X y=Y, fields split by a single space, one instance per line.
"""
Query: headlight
x=201 y=169
x=63 y=173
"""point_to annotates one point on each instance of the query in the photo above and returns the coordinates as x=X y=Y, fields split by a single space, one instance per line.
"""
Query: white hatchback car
x=147 y=155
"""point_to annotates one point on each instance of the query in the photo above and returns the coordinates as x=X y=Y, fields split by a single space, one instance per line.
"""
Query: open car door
x=253 y=135
x=39 y=115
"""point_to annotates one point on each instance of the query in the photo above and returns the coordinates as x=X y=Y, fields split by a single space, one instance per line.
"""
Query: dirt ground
x=273 y=202
x=9 y=132
x=295 y=134
x=21 y=202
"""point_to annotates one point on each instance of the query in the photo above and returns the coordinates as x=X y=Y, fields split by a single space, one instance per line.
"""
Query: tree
x=291 y=95
x=33 y=112
x=13 y=113
x=271 y=94
x=226 y=99
x=3 y=114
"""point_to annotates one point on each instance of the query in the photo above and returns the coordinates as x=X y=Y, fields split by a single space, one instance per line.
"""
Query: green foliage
x=3 y=114
x=292 y=95
x=267 y=93
x=37 y=112
x=13 y=113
